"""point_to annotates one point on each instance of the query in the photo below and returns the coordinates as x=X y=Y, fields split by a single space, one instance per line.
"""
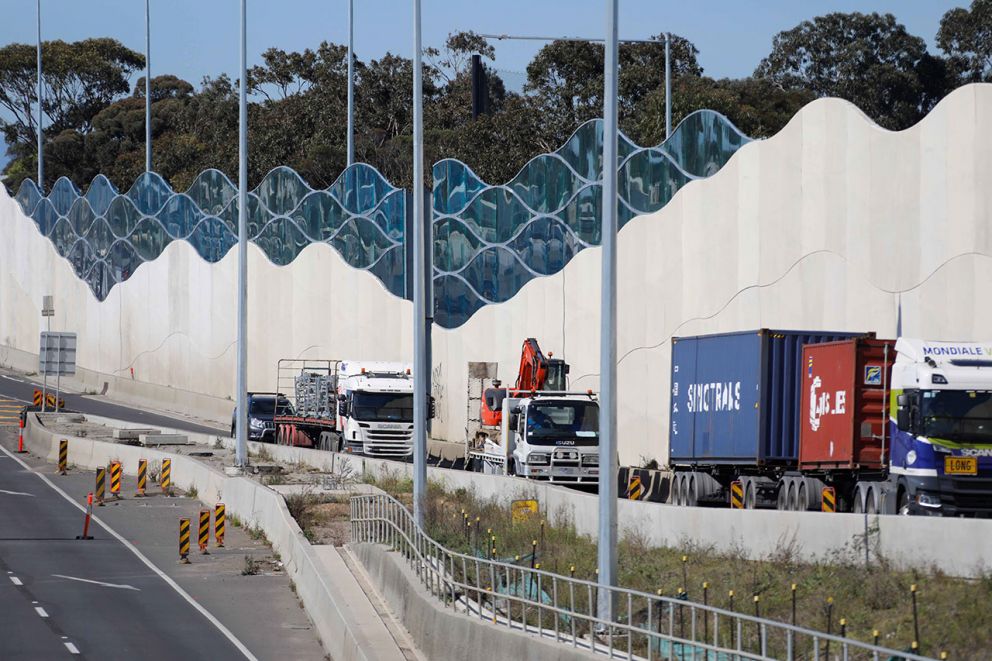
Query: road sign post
x=57 y=356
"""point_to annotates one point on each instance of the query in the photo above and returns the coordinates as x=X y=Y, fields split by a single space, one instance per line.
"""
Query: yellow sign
x=523 y=509
x=961 y=465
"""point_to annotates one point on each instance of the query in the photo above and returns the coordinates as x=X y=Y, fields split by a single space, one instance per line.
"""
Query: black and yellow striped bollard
x=115 y=479
x=219 y=525
x=828 y=501
x=737 y=495
x=184 y=541
x=142 y=476
x=63 y=457
x=101 y=485
x=165 y=477
x=204 y=531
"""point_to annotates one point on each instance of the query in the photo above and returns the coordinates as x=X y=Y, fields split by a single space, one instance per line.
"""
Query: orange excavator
x=536 y=372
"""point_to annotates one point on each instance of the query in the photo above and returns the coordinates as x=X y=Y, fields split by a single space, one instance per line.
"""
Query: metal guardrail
x=563 y=609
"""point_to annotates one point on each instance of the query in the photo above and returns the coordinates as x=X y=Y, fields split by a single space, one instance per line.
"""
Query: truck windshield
x=964 y=416
x=564 y=423
x=383 y=407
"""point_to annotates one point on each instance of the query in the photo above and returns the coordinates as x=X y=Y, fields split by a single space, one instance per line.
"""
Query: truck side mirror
x=903 y=418
x=902 y=401
x=343 y=406
x=514 y=420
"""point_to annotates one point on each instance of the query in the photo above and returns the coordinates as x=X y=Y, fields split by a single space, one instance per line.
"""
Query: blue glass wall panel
x=107 y=235
x=490 y=240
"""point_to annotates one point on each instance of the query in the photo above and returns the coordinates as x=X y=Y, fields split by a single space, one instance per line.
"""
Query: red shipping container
x=844 y=411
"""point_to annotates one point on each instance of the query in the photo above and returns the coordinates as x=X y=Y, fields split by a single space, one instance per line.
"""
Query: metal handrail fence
x=563 y=608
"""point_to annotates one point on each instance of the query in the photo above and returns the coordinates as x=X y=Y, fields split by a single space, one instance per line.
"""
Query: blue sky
x=194 y=38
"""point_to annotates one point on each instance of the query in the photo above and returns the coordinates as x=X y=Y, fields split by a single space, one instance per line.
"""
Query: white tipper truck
x=375 y=408
x=550 y=436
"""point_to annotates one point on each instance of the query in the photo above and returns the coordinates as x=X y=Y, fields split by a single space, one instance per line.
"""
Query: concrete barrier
x=957 y=547
x=440 y=633
x=342 y=626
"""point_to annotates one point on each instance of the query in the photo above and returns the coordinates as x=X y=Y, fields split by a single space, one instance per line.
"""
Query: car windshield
x=958 y=415
x=572 y=423
x=262 y=407
x=383 y=407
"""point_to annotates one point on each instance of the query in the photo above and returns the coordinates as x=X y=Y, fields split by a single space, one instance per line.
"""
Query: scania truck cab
x=941 y=427
x=375 y=408
x=551 y=436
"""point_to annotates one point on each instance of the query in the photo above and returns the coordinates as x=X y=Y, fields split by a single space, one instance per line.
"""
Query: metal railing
x=563 y=609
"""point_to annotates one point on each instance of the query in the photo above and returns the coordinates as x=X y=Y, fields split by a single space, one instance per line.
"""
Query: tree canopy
x=94 y=117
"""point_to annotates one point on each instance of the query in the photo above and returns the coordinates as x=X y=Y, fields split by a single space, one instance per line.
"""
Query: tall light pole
x=421 y=370
x=41 y=149
x=351 y=82
x=668 y=85
x=607 y=543
x=241 y=444
x=148 y=88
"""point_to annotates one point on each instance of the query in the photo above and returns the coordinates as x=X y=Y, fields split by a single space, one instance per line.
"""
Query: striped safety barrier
x=737 y=495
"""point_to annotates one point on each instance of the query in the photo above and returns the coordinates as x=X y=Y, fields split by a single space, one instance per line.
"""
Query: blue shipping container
x=735 y=396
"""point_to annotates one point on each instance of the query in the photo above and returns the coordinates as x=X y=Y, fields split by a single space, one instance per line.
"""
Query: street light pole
x=41 y=149
x=241 y=445
x=607 y=543
x=668 y=85
x=148 y=88
x=421 y=370
x=351 y=82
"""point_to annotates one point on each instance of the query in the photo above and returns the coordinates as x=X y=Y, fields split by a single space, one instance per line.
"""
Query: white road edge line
x=148 y=563
x=16 y=493
x=15 y=580
x=40 y=611
x=72 y=648
x=106 y=585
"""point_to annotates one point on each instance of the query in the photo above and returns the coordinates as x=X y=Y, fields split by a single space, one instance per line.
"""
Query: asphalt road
x=63 y=597
x=22 y=389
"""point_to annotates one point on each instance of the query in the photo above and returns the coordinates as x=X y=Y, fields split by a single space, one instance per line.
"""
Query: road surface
x=66 y=598
x=20 y=388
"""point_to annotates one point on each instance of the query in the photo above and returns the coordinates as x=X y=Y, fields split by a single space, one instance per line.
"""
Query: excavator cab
x=557 y=375
x=536 y=372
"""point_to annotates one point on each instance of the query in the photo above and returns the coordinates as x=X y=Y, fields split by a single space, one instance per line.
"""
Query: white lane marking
x=148 y=563
x=15 y=580
x=106 y=585
x=16 y=493
x=10 y=378
x=40 y=611
x=72 y=648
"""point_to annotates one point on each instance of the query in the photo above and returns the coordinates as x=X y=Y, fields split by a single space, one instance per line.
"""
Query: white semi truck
x=375 y=408
x=549 y=436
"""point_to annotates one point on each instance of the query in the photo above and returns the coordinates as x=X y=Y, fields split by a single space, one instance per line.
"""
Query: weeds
x=261 y=455
x=953 y=612
x=250 y=567
x=192 y=492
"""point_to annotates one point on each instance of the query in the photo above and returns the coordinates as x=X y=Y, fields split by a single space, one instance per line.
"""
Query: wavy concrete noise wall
x=833 y=223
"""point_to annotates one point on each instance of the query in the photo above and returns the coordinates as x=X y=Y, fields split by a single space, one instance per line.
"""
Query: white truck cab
x=941 y=427
x=375 y=408
x=550 y=436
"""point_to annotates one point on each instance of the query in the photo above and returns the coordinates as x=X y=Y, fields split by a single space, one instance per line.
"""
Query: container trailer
x=890 y=426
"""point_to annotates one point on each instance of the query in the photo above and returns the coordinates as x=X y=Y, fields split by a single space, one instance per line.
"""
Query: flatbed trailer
x=311 y=387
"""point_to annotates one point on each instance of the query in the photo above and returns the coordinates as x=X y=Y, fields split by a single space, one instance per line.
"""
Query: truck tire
x=750 y=495
x=793 y=497
x=871 y=500
x=678 y=485
x=802 y=501
x=903 y=506
x=690 y=495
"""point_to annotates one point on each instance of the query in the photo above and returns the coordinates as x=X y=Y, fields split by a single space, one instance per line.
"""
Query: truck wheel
x=903 y=503
x=782 y=502
x=802 y=503
x=794 y=497
x=750 y=497
x=871 y=501
x=690 y=496
x=857 y=507
x=678 y=485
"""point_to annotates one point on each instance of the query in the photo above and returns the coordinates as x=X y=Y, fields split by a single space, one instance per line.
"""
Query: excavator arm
x=534 y=373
